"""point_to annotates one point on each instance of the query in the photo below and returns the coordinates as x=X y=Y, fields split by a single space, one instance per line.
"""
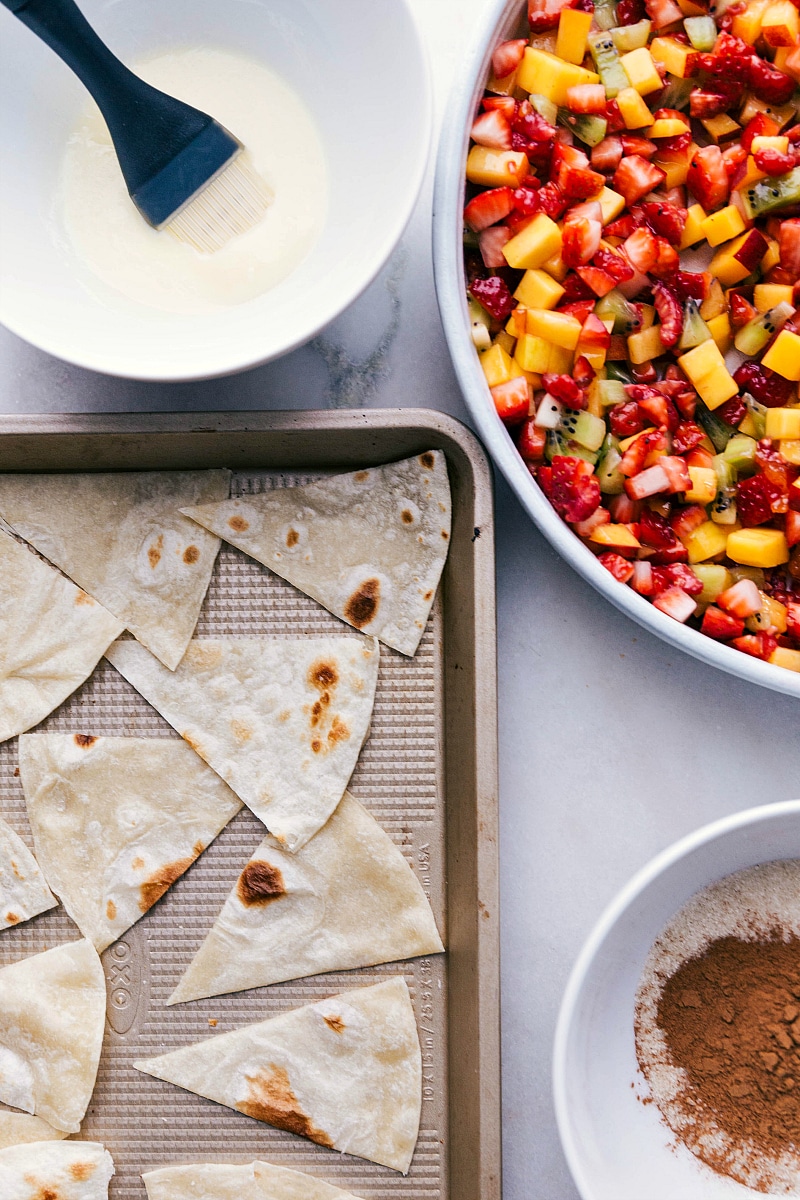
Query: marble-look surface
x=612 y=745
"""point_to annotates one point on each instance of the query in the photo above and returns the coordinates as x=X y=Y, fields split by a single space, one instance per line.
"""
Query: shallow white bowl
x=618 y=1148
x=361 y=69
x=502 y=20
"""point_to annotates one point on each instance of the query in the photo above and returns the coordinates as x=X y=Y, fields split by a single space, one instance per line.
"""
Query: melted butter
x=116 y=245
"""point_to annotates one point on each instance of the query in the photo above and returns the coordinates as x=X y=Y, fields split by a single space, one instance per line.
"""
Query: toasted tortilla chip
x=117 y=820
x=17 y=1128
x=254 y=1181
x=52 y=1015
x=346 y=1072
x=369 y=546
x=122 y=538
x=52 y=636
x=23 y=891
x=347 y=899
x=282 y=721
x=55 y=1171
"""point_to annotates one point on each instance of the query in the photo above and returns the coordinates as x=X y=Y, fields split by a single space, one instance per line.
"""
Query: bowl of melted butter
x=331 y=99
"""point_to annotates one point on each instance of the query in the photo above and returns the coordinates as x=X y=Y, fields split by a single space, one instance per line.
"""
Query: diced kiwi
x=723 y=506
x=610 y=478
x=614 y=306
x=588 y=129
x=583 y=427
x=615 y=370
x=479 y=322
x=753 y=336
x=631 y=37
x=677 y=93
x=758 y=412
x=605 y=14
x=607 y=392
x=695 y=329
x=718 y=430
x=545 y=107
x=701 y=32
x=606 y=60
x=770 y=194
x=549 y=413
x=755 y=573
x=740 y=452
x=554 y=444
x=724 y=471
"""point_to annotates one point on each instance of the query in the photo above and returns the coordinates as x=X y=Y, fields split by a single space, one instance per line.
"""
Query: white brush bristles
x=230 y=205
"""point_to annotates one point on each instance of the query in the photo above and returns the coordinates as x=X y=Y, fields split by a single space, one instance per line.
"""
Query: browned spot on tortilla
x=203 y=655
x=153 y=888
x=81 y=1171
x=362 y=606
x=190 y=741
x=198 y=848
x=46 y=1193
x=316 y=745
x=427 y=460
x=191 y=555
x=84 y=740
x=318 y=708
x=154 y=551
x=111 y=910
x=137 y=863
x=241 y=731
x=428 y=596
x=292 y=538
x=83 y=598
x=323 y=675
x=338 y=731
x=284 y=716
x=12 y=919
x=335 y=1023
x=360 y=476
x=259 y=884
x=270 y=1098
x=407 y=517
x=16 y=870
x=445 y=535
x=238 y=524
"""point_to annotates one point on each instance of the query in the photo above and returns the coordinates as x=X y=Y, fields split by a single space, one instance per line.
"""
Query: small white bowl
x=618 y=1148
x=503 y=20
x=361 y=69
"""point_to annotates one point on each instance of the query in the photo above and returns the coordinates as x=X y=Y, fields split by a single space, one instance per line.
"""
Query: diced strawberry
x=630 y=12
x=742 y=599
x=544 y=14
x=674 y=601
x=512 y=399
x=752 y=250
x=754 y=500
x=491 y=129
x=742 y=310
x=599 y=281
x=507 y=57
x=793 y=618
x=691 y=285
x=600 y=516
x=705 y=103
x=734 y=159
x=666 y=220
x=667 y=260
x=494 y=295
x=707 y=178
x=626 y=419
x=759 y=645
x=663 y=12
x=526 y=199
x=768 y=83
x=792 y=528
x=619 y=567
x=587 y=98
x=642 y=580
x=684 y=521
x=633 y=459
x=531 y=441
x=677 y=473
x=606 y=154
x=686 y=403
x=644 y=372
x=580 y=309
x=670 y=314
x=583 y=372
x=654 y=530
x=594 y=335
x=789 y=242
x=507 y=105
x=571 y=171
x=581 y=234
x=773 y=162
x=624 y=226
x=490 y=244
x=613 y=264
x=633 y=144
x=760 y=125
x=732 y=412
x=650 y=482
x=720 y=625
x=686 y=437
x=684 y=577
x=623 y=510
x=777 y=471
x=565 y=389
x=552 y=200
x=641 y=249
x=574 y=490
x=487 y=208
x=765 y=386
x=675 y=149
x=635 y=177
x=655 y=406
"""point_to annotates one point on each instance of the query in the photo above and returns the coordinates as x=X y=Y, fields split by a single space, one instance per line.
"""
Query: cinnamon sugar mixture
x=717 y=1026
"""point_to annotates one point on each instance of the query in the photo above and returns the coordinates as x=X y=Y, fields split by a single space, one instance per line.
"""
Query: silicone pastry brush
x=184 y=171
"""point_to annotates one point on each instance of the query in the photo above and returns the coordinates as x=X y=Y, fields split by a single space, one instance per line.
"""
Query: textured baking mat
x=147 y=1123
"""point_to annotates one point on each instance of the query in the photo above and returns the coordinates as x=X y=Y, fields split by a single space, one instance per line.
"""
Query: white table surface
x=612 y=745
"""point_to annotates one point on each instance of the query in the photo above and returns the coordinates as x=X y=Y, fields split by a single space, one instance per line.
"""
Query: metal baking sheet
x=428 y=773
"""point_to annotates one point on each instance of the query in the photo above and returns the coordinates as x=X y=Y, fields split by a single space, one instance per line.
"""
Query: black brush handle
x=148 y=128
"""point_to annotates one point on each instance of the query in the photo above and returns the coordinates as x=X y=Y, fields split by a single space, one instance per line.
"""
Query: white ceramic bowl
x=361 y=69
x=502 y=20
x=618 y=1148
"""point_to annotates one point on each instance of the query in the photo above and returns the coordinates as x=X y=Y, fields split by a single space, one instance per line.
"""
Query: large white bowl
x=361 y=69
x=502 y=20
x=618 y=1148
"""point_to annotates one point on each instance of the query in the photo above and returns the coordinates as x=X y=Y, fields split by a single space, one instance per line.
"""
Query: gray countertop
x=612 y=745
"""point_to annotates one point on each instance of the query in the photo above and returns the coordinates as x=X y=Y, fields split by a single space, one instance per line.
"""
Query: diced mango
x=767 y=295
x=772 y=255
x=611 y=204
x=723 y=225
x=532 y=354
x=783 y=355
x=715 y=579
x=645 y=345
x=782 y=656
x=720 y=329
x=550 y=76
x=497 y=366
x=671 y=54
x=780 y=114
x=782 y=423
x=667 y=127
x=561 y=329
x=725 y=267
x=560 y=361
x=705 y=367
x=752 y=174
x=496 y=168
x=676 y=172
x=707 y=541
x=506 y=341
x=556 y=267
x=758 y=547
x=633 y=109
x=615 y=535
x=720 y=127
x=790 y=451
x=537 y=289
x=638 y=65
x=749 y=427
x=573 y=30
x=747 y=24
x=503 y=87
x=534 y=244
x=779 y=142
x=693 y=229
x=780 y=24
x=704 y=485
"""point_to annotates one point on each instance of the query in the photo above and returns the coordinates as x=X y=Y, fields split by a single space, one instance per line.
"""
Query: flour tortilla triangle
x=346 y=1072
x=23 y=891
x=369 y=546
x=55 y=1171
x=52 y=636
x=52 y=1016
x=121 y=537
x=116 y=821
x=253 y=1181
x=282 y=721
x=347 y=899
x=17 y=1128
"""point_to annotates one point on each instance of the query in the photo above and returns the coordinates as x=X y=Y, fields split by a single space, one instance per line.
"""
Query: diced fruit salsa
x=614 y=138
